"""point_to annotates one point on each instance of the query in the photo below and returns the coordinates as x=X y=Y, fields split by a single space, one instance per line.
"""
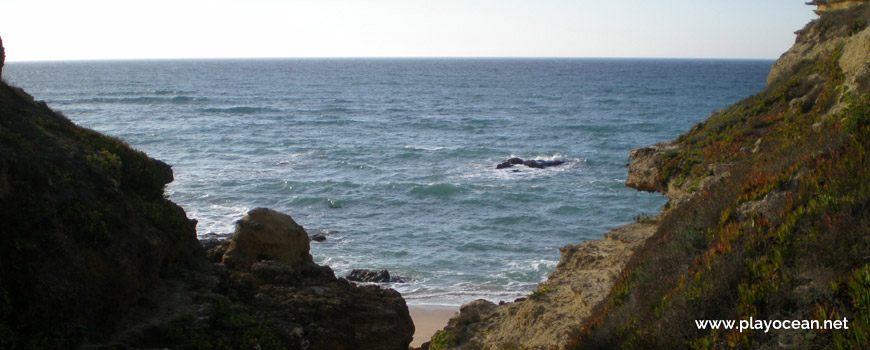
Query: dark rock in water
x=211 y=240
x=318 y=237
x=531 y=163
x=534 y=164
x=361 y=275
x=398 y=279
x=540 y=164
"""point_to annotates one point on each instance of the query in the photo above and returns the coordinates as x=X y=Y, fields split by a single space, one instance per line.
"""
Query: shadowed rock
x=504 y=165
x=383 y=276
x=532 y=163
x=2 y=57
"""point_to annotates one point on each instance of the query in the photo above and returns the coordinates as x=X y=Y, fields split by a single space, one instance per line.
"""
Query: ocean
x=394 y=160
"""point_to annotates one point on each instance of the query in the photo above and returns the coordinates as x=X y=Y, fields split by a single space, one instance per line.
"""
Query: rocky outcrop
x=531 y=163
x=643 y=170
x=854 y=62
x=544 y=320
x=95 y=257
x=87 y=232
x=269 y=267
x=265 y=234
x=817 y=40
x=382 y=276
x=645 y=174
x=835 y=5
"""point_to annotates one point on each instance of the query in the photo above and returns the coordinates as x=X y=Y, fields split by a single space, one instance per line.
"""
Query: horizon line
x=382 y=58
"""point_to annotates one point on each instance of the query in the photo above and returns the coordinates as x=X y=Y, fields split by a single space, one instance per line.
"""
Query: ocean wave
x=328 y=202
x=437 y=190
x=239 y=110
x=424 y=148
x=125 y=100
x=176 y=99
x=514 y=219
x=164 y=92
x=216 y=218
x=457 y=297
x=180 y=99
x=566 y=210
x=332 y=110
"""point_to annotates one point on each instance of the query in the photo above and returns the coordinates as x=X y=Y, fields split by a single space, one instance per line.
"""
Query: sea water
x=394 y=160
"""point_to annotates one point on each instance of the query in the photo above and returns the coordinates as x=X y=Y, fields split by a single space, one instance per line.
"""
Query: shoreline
x=428 y=319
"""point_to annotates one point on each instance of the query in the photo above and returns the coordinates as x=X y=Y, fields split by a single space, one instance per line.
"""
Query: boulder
x=383 y=276
x=504 y=165
x=643 y=170
x=360 y=275
x=532 y=163
x=265 y=234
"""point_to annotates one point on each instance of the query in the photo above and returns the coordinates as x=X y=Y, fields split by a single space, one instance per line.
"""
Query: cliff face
x=94 y=256
x=767 y=219
x=86 y=228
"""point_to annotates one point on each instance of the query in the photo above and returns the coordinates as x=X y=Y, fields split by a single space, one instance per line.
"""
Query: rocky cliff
x=94 y=256
x=767 y=219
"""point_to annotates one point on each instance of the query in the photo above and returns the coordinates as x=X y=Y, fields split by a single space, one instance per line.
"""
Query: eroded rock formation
x=94 y=256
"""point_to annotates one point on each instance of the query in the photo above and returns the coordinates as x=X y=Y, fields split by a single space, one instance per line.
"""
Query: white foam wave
x=216 y=218
x=425 y=148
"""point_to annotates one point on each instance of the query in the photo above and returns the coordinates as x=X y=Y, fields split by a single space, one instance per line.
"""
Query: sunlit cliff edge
x=768 y=218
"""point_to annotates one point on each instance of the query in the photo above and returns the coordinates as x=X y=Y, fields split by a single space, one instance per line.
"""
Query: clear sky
x=120 y=29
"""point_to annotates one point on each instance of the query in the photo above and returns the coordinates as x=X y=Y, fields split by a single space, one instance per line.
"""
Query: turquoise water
x=394 y=159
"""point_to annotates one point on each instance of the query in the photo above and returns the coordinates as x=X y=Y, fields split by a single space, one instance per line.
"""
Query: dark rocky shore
x=95 y=257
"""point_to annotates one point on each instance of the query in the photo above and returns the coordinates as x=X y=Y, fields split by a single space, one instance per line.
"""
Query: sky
x=38 y=30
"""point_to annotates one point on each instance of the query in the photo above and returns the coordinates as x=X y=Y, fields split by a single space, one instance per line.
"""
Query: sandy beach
x=429 y=319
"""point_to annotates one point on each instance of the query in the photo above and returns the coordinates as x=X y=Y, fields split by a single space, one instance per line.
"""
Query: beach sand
x=429 y=319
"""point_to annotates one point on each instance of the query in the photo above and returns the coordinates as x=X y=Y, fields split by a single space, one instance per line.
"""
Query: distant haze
x=101 y=29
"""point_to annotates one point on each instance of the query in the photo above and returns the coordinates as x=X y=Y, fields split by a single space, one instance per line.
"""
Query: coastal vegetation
x=767 y=220
x=783 y=237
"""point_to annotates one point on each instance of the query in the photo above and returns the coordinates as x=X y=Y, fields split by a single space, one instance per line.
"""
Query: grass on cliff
x=807 y=259
x=86 y=229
